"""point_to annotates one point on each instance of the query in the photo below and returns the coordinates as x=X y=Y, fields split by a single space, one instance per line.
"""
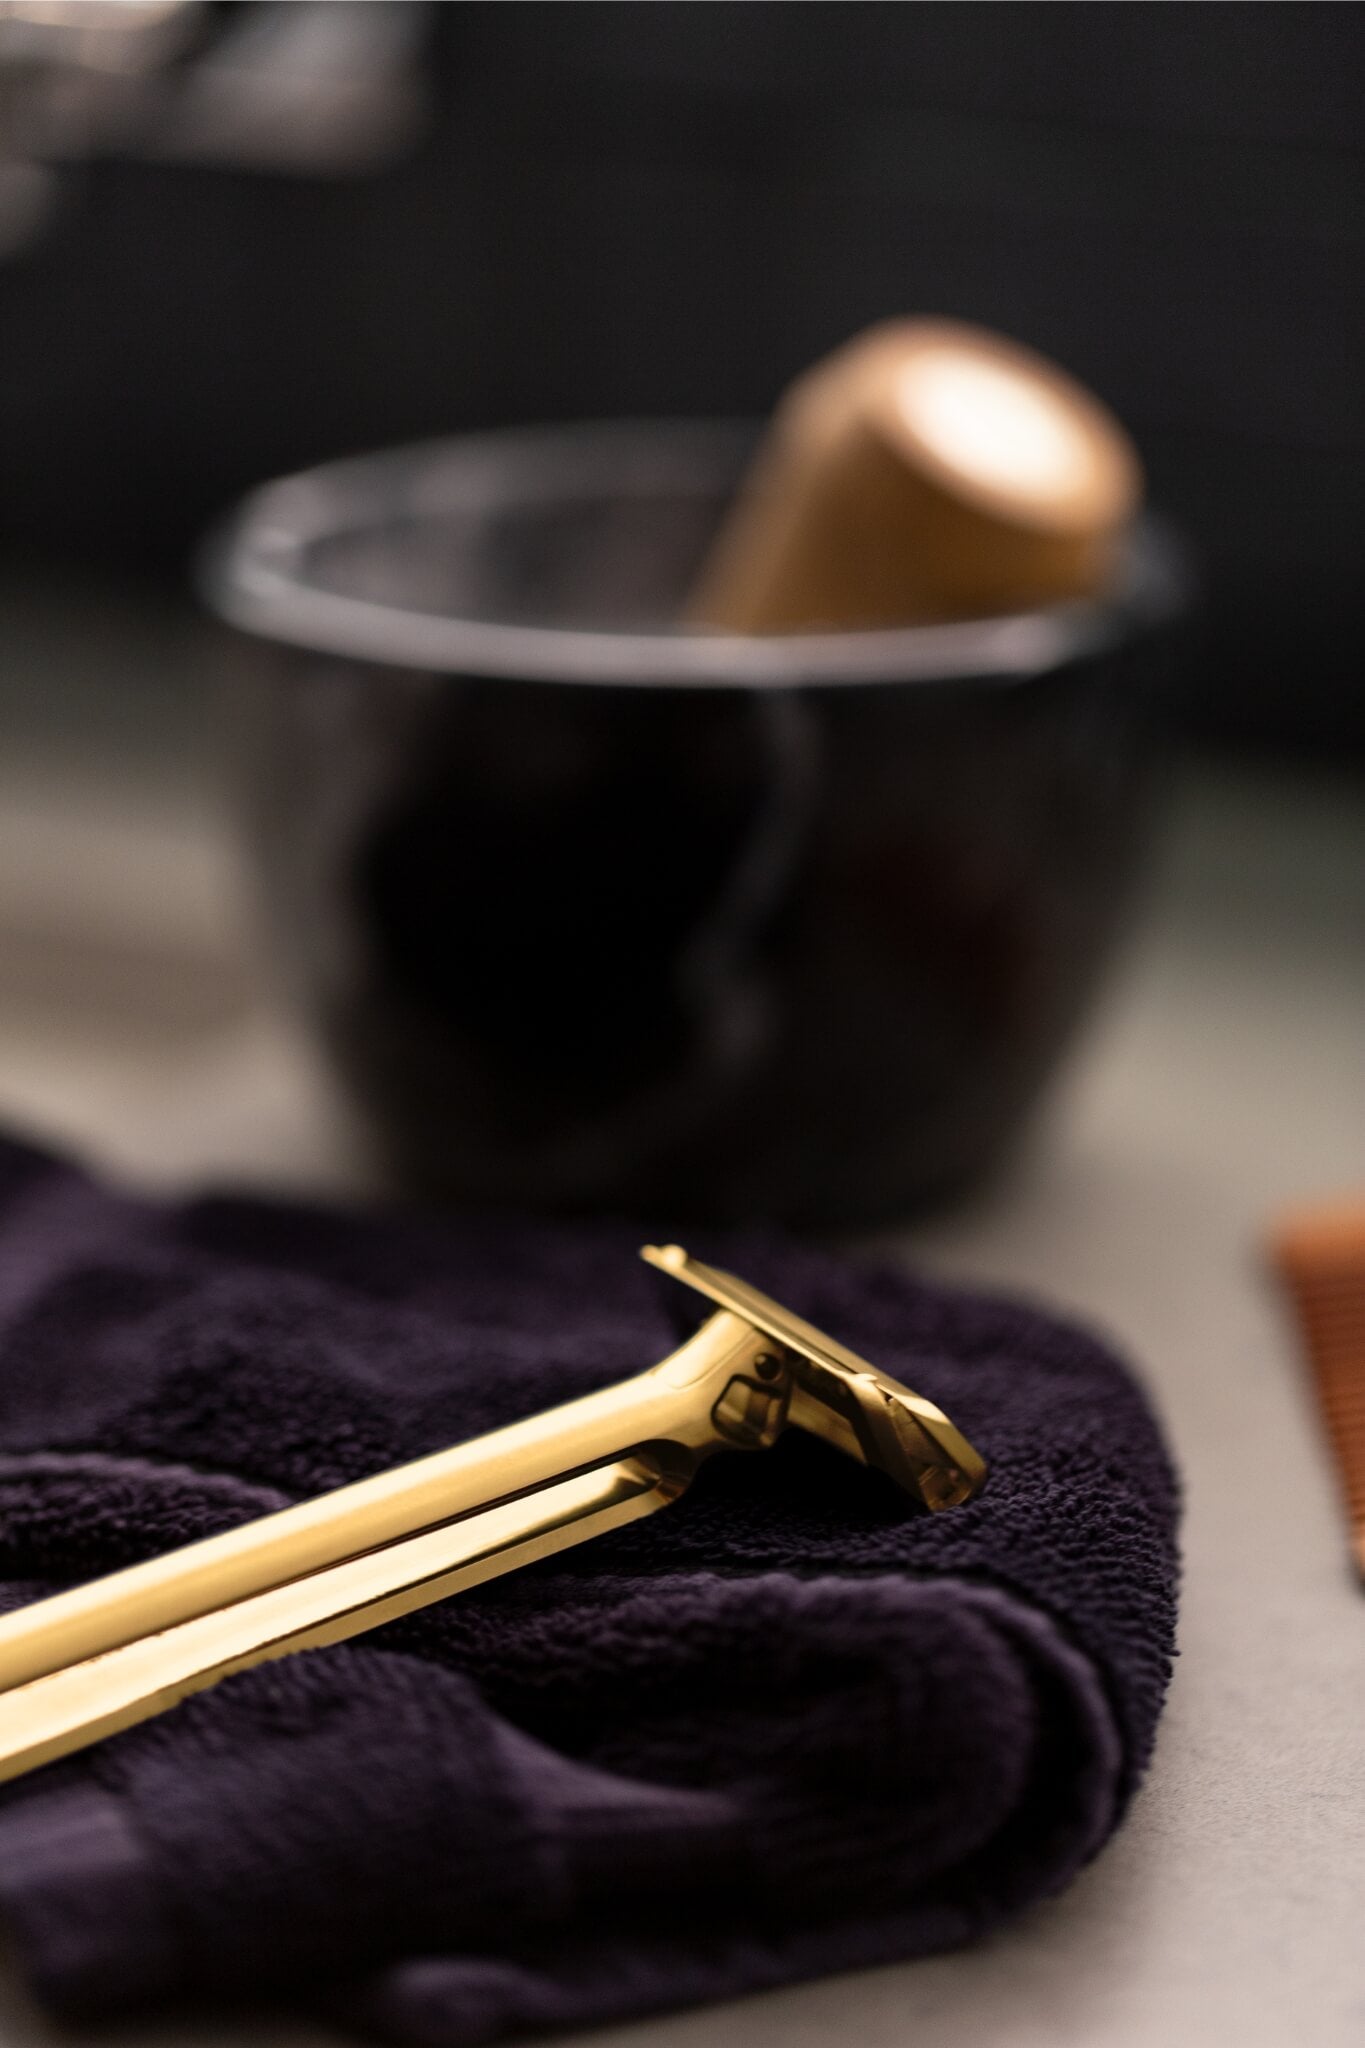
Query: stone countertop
x=1222 y=1079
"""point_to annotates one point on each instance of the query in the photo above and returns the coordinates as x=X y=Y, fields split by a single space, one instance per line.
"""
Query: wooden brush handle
x=926 y=471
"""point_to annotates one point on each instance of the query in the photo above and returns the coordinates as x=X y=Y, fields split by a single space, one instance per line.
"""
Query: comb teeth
x=1320 y=1254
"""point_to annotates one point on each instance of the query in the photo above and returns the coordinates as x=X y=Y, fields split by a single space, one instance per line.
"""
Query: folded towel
x=784 y=1728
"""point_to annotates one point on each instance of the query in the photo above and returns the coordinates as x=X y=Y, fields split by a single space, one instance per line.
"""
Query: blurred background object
x=315 y=87
x=672 y=209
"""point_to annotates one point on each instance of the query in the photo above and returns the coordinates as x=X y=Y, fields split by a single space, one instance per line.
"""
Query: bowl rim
x=251 y=573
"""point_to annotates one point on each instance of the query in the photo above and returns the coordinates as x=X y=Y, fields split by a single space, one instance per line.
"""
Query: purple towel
x=785 y=1727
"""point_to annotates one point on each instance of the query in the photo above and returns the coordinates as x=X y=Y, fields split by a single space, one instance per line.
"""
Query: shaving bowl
x=596 y=912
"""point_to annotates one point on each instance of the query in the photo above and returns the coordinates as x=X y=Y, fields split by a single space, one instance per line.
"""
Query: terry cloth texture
x=786 y=1727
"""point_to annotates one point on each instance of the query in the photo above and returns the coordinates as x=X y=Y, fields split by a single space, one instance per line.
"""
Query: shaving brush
x=927 y=470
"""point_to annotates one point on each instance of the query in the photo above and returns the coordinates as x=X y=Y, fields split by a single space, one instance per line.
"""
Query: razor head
x=841 y=1397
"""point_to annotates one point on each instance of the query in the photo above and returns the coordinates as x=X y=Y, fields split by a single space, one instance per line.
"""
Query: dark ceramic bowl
x=598 y=913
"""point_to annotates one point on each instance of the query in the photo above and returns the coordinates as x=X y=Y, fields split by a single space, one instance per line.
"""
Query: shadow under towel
x=786 y=1727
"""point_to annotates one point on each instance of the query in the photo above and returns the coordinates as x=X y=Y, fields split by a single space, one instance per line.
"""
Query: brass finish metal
x=840 y=1397
x=86 y=1663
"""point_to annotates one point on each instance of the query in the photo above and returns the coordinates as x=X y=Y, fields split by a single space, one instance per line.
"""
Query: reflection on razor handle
x=86 y=1663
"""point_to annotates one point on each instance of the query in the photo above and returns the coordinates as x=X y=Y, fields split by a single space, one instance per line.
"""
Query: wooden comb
x=1320 y=1255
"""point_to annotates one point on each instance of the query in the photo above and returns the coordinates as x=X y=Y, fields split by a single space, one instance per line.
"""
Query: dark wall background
x=672 y=208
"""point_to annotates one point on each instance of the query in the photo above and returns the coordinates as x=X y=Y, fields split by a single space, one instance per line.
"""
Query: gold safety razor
x=86 y=1663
